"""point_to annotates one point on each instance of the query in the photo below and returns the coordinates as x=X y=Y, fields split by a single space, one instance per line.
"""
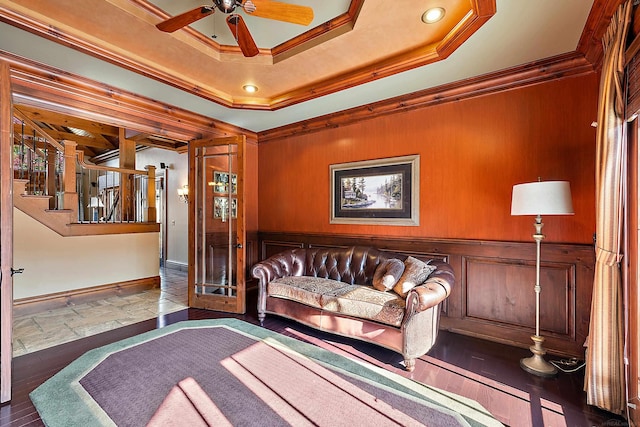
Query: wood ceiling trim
x=42 y=133
x=590 y=44
x=84 y=141
x=315 y=36
x=148 y=142
x=50 y=117
x=47 y=88
x=484 y=9
x=333 y=28
x=35 y=27
x=480 y=13
x=562 y=66
x=151 y=141
x=58 y=136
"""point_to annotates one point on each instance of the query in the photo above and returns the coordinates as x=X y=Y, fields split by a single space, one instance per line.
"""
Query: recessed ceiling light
x=250 y=88
x=433 y=15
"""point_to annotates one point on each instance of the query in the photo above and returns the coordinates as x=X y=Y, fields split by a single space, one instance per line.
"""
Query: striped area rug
x=229 y=372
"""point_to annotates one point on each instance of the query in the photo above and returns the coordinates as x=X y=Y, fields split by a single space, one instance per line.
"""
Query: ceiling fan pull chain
x=215 y=32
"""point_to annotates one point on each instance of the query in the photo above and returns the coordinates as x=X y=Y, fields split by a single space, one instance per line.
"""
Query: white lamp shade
x=95 y=202
x=542 y=198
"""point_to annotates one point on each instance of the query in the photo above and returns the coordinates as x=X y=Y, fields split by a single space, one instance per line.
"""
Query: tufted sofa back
x=352 y=265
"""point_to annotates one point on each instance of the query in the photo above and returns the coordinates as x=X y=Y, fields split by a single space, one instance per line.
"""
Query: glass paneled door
x=217 y=224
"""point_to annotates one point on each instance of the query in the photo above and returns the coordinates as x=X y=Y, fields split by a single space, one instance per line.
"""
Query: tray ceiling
x=353 y=53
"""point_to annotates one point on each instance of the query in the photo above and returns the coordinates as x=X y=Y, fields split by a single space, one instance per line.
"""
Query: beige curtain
x=604 y=376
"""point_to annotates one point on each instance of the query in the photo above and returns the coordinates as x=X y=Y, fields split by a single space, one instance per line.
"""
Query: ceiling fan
x=269 y=9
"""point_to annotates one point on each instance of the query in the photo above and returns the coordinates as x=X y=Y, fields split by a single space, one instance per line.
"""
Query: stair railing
x=115 y=195
x=99 y=194
x=39 y=159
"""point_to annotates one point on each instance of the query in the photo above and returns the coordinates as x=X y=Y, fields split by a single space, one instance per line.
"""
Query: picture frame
x=221 y=208
x=221 y=182
x=382 y=191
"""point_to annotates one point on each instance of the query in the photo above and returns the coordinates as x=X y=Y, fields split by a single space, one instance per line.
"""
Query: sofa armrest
x=265 y=272
x=426 y=296
x=434 y=290
x=287 y=263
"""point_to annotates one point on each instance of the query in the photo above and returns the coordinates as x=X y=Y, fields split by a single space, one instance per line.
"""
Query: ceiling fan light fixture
x=433 y=15
x=250 y=88
x=226 y=6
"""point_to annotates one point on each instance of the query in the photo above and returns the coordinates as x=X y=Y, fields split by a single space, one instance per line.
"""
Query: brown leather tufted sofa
x=413 y=337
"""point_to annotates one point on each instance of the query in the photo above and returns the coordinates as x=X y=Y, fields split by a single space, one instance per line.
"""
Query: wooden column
x=70 y=193
x=51 y=176
x=127 y=153
x=6 y=232
x=151 y=193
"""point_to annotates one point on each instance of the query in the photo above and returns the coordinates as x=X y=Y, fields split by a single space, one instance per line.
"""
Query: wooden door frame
x=239 y=140
x=6 y=232
x=161 y=213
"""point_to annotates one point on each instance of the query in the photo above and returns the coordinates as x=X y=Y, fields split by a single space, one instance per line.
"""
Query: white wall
x=177 y=212
x=53 y=263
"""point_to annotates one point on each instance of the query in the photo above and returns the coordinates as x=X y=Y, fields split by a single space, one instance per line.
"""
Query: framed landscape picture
x=382 y=191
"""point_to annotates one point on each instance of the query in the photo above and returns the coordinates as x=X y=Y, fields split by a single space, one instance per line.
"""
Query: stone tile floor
x=37 y=331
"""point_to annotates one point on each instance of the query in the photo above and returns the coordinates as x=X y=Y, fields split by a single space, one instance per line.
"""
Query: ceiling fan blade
x=279 y=11
x=243 y=36
x=184 y=19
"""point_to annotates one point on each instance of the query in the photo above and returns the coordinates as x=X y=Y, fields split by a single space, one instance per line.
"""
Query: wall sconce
x=183 y=194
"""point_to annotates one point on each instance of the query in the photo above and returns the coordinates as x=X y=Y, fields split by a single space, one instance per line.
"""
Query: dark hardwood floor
x=485 y=371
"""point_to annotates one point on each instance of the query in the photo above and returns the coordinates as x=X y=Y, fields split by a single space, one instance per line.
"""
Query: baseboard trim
x=41 y=303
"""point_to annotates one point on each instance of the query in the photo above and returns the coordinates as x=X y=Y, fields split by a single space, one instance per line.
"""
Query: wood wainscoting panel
x=500 y=290
x=493 y=297
x=272 y=247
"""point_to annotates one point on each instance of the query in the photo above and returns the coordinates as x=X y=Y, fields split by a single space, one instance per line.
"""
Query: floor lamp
x=95 y=203
x=540 y=198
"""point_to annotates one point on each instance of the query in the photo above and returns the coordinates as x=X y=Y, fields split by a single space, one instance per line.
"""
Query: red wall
x=471 y=154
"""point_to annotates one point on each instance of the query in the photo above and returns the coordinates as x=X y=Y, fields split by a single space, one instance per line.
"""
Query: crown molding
x=38 y=85
x=558 y=67
x=481 y=12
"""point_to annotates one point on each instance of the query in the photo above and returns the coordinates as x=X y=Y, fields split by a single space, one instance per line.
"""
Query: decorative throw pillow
x=387 y=274
x=415 y=273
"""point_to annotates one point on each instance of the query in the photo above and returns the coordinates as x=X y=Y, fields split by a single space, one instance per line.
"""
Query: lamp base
x=536 y=364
